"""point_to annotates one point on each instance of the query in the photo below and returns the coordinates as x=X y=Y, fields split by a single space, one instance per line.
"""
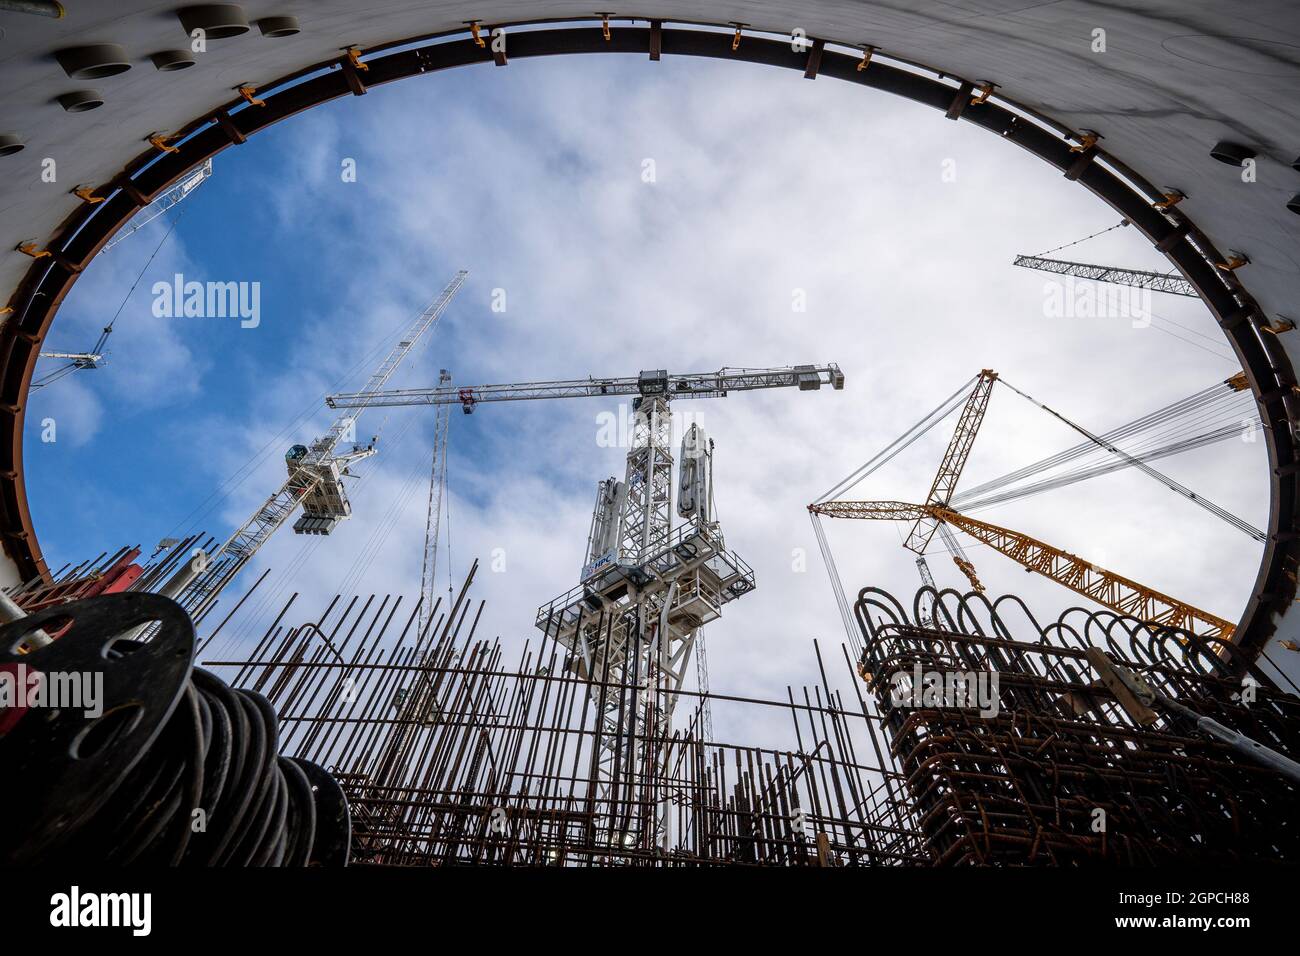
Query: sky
x=634 y=216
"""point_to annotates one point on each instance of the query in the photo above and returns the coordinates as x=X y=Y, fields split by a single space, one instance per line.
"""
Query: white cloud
x=531 y=178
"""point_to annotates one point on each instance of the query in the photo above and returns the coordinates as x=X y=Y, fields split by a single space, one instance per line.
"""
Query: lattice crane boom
x=648 y=383
x=433 y=517
x=954 y=458
x=1138 y=278
x=1120 y=594
x=366 y=397
x=164 y=202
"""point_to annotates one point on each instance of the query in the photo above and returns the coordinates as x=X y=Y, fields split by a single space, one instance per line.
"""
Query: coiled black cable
x=176 y=769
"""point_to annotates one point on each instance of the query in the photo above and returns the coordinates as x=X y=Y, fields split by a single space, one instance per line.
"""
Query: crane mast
x=647 y=588
x=648 y=484
x=433 y=518
x=314 y=482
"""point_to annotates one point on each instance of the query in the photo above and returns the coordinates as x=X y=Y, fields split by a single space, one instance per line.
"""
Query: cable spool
x=172 y=767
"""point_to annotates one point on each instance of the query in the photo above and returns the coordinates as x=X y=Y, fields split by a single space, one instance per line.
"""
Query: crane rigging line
x=1214 y=414
x=969 y=505
x=1217 y=351
x=1122 y=222
x=837 y=583
x=890 y=451
x=1238 y=523
x=52 y=377
x=374 y=545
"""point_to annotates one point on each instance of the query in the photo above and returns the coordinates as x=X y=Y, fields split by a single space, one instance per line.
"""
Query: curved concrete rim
x=77 y=239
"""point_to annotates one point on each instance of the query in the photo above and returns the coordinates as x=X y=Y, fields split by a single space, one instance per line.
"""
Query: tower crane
x=1111 y=590
x=78 y=361
x=646 y=588
x=954 y=459
x=314 y=482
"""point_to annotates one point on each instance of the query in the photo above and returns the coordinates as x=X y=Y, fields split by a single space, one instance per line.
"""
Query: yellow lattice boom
x=1120 y=594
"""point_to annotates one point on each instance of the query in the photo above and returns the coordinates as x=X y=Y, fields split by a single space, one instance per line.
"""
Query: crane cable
x=1175 y=410
x=1241 y=525
x=355 y=571
x=837 y=583
x=52 y=377
x=1122 y=222
x=945 y=408
x=890 y=451
x=1212 y=415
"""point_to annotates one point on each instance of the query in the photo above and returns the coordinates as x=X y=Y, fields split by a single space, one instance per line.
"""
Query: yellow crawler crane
x=1120 y=594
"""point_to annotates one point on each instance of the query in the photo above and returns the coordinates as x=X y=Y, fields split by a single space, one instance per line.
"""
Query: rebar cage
x=452 y=755
x=1053 y=770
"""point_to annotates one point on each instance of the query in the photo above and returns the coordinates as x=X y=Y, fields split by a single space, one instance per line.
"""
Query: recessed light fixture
x=10 y=144
x=93 y=62
x=81 y=101
x=169 y=61
x=1234 y=154
x=217 y=20
x=278 y=26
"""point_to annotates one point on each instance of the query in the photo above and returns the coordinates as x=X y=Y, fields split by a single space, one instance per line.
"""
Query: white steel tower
x=646 y=588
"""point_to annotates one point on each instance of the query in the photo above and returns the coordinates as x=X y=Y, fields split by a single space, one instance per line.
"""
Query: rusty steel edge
x=83 y=233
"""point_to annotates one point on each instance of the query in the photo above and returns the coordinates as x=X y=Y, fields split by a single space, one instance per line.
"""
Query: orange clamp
x=159 y=140
x=866 y=57
x=247 y=93
x=1087 y=140
x=88 y=194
